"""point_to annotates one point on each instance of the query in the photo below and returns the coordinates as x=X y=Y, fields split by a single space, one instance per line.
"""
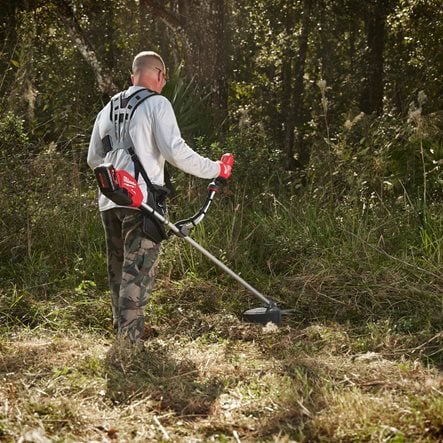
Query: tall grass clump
x=52 y=245
x=377 y=218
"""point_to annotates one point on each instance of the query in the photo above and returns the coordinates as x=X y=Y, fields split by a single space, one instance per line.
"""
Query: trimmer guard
x=264 y=315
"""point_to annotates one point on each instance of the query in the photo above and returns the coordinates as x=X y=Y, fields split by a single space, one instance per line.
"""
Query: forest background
x=334 y=112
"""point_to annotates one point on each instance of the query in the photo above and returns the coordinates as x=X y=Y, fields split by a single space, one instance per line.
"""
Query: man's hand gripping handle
x=226 y=162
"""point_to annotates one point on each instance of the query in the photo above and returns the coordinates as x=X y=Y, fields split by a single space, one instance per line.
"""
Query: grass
x=210 y=377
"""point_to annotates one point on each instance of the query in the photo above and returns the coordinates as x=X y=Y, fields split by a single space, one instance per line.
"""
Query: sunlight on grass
x=220 y=379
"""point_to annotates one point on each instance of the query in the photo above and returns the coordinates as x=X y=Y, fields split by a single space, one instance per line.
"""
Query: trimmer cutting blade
x=264 y=315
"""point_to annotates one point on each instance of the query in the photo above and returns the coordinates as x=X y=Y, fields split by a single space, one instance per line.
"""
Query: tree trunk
x=294 y=142
x=287 y=99
x=204 y=22
x=371 y=100
x=200 y=26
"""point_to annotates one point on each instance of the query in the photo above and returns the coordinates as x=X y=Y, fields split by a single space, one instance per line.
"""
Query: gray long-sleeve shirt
x=156 y=137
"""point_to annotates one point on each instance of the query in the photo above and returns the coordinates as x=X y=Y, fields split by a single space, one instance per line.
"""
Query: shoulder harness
x=121 y=112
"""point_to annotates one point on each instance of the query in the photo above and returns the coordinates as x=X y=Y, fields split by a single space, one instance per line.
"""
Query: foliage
x=42 y=202
x=413 y=63
x=189 y=107
x=14 y=178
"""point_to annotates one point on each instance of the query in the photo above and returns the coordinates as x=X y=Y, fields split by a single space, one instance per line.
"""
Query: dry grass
x=212 y=378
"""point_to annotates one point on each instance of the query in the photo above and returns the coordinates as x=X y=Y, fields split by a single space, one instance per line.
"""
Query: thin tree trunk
x=371 y=100
x=299 y=146
x=206 y=58
x=287 y=99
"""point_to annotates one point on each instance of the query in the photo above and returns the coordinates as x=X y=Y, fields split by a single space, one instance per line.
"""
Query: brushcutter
x=120 y=187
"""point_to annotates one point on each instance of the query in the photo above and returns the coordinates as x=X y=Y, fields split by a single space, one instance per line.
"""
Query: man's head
x=149 y=71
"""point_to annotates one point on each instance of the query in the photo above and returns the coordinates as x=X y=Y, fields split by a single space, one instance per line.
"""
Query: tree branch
x=169 y=19
x=67 y=17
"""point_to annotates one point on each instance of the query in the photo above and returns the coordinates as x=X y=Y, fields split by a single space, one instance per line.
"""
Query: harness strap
x=123 y=108
x=121 y=112
x=139 y=169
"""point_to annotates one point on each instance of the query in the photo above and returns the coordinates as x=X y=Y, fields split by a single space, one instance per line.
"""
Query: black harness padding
x=107 y=144
x=123 y=108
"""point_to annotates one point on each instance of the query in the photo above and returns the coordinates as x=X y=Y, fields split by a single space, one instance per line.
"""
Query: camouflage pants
x=132 y=262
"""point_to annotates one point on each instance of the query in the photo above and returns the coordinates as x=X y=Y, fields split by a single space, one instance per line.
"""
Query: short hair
x=146 y=59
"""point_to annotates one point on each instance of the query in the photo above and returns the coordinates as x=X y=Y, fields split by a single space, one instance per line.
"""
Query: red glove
x=226 y=163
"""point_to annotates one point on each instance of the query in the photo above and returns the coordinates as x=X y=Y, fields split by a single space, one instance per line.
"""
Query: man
x=151 y=129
